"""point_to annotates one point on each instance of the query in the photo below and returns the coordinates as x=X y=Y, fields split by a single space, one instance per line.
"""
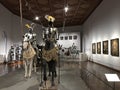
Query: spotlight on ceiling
x=37 y=18
x=66 y=8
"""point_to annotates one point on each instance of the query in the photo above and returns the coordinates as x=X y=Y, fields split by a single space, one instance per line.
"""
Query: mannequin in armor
x=29 y=50
x=30 y=36
x=50 y=36
x=50 y=50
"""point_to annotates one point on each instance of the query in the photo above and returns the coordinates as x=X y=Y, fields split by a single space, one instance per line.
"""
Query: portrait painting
x=75 y=37
x=99 y=48
x=61 y=38
x=105 y=47
x=115 y=47
x=66 y=37
x=70 y=37
x=93 y=48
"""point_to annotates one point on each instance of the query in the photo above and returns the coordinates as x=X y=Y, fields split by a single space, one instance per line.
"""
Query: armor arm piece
x=27 y=37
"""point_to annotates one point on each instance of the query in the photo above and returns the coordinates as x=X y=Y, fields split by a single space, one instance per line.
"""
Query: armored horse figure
x=50 y=49
x=29 y=53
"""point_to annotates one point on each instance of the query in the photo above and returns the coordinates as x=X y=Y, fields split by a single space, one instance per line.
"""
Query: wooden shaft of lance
x=21 y=17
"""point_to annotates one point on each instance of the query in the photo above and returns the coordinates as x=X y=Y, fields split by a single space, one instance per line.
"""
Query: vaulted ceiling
x=79 y=10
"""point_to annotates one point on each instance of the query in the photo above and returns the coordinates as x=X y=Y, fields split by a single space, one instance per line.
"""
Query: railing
x=94 y=82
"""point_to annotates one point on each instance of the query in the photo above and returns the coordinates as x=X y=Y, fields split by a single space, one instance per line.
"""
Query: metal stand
x=114 y=86
x=41 y=81
x=59 y=68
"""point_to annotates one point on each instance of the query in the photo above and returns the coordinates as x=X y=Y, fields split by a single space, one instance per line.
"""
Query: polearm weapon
x=58 y=67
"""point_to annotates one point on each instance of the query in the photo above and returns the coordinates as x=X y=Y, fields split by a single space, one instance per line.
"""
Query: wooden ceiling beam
x=54 y=8
x=50 y=8
x=76 y=10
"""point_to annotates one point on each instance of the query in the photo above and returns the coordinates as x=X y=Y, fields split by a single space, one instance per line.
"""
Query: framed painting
x=70 y=37
x=75 y=37
x=105 y=47
x=98 y=47
x=93 y=48
x=61 y=38
x=115 y=47
x=66 y=37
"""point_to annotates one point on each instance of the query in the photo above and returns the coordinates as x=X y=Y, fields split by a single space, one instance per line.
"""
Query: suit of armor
x=30 y=50
x=50 y=50
x=50 y=36
x=30 y=35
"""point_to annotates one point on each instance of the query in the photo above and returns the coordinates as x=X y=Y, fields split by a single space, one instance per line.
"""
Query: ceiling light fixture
x=66 y=8
x=36 y=18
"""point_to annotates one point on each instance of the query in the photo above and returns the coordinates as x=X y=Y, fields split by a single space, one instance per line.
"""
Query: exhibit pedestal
x=47 y=85
x=1 y=59
x=83 y=57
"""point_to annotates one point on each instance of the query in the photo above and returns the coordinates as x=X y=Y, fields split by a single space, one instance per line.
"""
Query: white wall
x=68 y=43
x=18 y=33
x=10 y=25
x=70 y=31
x=103 y=24
x=5 y=27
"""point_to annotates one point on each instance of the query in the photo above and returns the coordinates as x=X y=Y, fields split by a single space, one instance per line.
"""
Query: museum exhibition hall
x=59 y=44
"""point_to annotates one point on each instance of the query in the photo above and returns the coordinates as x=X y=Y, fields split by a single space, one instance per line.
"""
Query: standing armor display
x=30 y=36
x=18 y=52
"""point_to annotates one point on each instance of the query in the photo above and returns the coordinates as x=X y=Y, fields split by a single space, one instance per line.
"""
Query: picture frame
x=98 y=47
x=105 y=47
x=75 y=37
x=93 y=48
x=66 y=37
x=70 y=37
x=61 y=38
x=115 y=47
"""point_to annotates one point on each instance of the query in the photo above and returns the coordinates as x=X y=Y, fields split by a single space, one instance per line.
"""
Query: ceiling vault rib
x=97 y=4
x=65 y=13
x=50 y=7
x=75 y=11
x=64 y=16
x=39 y=11
x=29 y=8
